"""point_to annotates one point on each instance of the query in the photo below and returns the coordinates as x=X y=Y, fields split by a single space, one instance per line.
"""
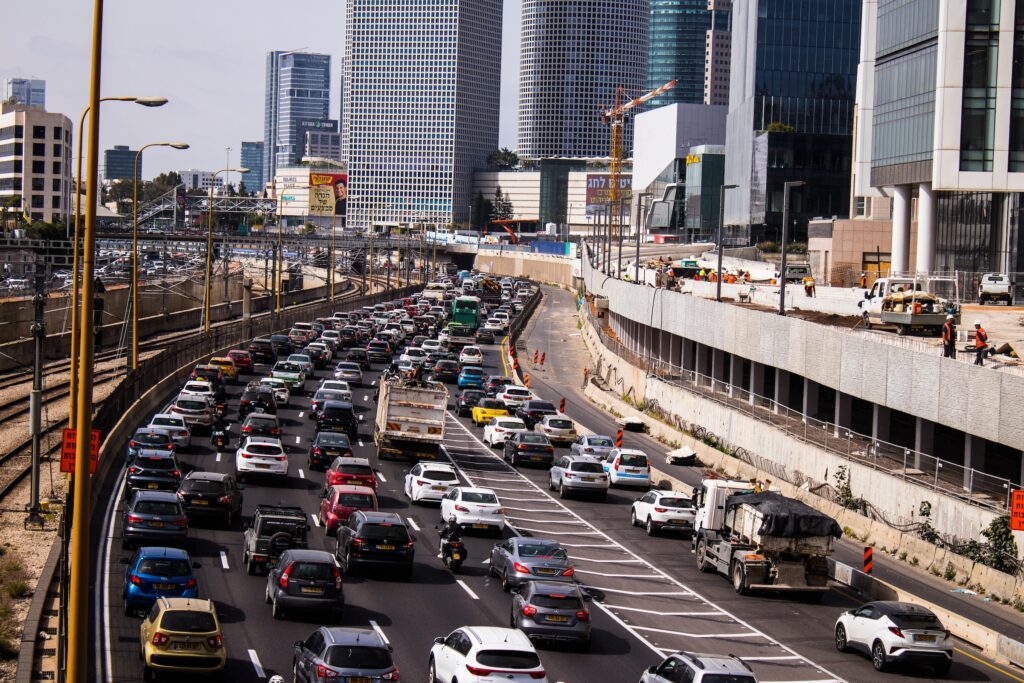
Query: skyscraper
x=718 y=53
x=574 y=55
x=298 y=90
x=119 y=163
x=252 y=159
x=30 y=91
x=420 y=109
x=35 y=161
x=677 y=49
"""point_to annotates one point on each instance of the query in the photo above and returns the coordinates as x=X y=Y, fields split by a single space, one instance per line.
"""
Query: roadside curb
x=31 y=643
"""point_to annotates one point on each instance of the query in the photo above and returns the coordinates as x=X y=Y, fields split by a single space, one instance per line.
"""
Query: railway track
x=19 y=406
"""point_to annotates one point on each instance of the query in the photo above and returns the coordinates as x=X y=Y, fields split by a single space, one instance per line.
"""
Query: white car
x=471 y=355
x=558 y=429
x=414 y=355
x=628 y=467
x=261 y=455
x=324 y=349
x=663 y=511
x=480 y=654
x=499 y=429
x=473 y=508
x=502 y=316
x=349 y=372
x=513 y=396
x=176 y=425
x=194 y=388
x=337 y=385
x=699 y=668
x=279 y=388
x=429 y=481
x=431 y=346
x=494 y=325
x=893 y=632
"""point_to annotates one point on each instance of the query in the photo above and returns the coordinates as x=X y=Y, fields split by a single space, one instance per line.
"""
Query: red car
x=243 y=359
x=350 y=472
x=341 y=501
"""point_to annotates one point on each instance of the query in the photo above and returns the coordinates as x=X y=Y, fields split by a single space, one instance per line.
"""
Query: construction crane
x=614 y=117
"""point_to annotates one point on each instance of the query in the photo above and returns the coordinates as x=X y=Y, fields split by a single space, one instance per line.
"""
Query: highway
x=649 y=598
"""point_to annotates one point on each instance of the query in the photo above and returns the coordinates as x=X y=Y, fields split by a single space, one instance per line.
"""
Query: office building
x=791 y=93
x=677 y=49
x=298 y=90
x=718 y=53
x=252 y=159
x=422 y=86
x=705 y=175
x=574 y=55
x=200 y=180
x=35 y=162
x=320 y=140
x=119 y=163
x=28 y=91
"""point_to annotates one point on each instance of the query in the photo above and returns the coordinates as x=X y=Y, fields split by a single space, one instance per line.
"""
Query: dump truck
x=762 y=541
x=410 y=419
x=910 y=304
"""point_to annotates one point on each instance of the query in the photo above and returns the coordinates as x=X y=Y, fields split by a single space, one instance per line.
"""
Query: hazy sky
x=207 y=58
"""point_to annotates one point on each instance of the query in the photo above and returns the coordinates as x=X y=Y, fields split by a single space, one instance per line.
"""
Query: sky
x=208 y=59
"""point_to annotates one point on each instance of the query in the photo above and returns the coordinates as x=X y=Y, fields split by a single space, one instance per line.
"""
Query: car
x=432 y=345
x=663 y=511
x=257 y=398
x=261 y=424
x=533 y=411
x=174 y=425
x=513 y=396
x=473 y=508
x=583 y=474
x=476 y=654
x=325 y=447
x=260 y=455
x=242 y=359
x=153 y=517
x=414 y=355
x=351 y=471
x=282 y=345
x=196 y=410
x=304 y=361
x=558 y=428
x=893 y=632
x=196 y=388
x=263 y=351
x=152 y=470
x=358 y=356
x=181 y=635
x=467 y=400
x=338 y=416
x=429 y=481
x=596 y=445
x=471 y=377
x=301 y=334
x=528 y=447
x=699 y=668
x=628 y=467
x=551 y=611
x=485 y=335
x=445 y=371
x=277 y=386
x=379 y=352
x=322 y=396
x=350 y=372
x=227 y=367
x=496 y=383
x=273 y=529
x=210 y=373
x=210 y=494
x=150 y=438
x=375 y=538
x=305 y=580
x=343 y=654
x=318 y=354
x=520 y=559
x=153 y=572
x=497 y=431
x=292 y=375
x=494 y=326
x=471 y=355
x=339 y=502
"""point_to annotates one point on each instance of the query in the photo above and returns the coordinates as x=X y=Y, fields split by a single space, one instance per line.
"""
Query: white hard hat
x=977 y=323
x=276 y=679
x=950 y=317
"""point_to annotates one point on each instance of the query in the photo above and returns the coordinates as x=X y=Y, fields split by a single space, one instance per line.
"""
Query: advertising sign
x=1017 y=510
x=68 y=451
x=328 y=194
x=599 y=191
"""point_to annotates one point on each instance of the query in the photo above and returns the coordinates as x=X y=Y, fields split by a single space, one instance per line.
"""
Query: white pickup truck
x=995 y=287
x=909 y=304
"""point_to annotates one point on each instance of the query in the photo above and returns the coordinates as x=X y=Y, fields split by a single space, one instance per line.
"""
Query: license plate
x=589 y=479
x=185 y=646
x=200 y=501
x=536 y=458
x=333 y=452
x=164 y=586
x=547 y=572
x=151 y=485
x=157 y=525
x=681 y=522
x=385 y=547
x=558 y=618
x=456 y=556
x=262 y=467
x=439 y=488
x=479 y=526
x=312 y=589
x=359 y=679
x=924 y=639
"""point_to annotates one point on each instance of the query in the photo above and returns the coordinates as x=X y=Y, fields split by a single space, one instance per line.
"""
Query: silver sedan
x=349 y=372
x=594 y=445
x=518 y=560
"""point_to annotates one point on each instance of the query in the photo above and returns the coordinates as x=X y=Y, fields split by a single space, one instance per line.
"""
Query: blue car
x=157 y=573
x=471 y=378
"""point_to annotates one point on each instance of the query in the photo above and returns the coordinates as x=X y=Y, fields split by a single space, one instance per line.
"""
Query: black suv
x=153 y=470
x=375 y=538
x=305 y=580
x=274 y=529
x=528 y=447
x=256 y=399
x=337 y=416
x=211 y=494
x=445 y=371
x=282 y=344
x=532 y=412
x=262 y=351
x=467 y=400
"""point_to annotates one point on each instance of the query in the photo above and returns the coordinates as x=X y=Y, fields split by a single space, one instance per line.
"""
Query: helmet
x=950 y=317
x=977 y=323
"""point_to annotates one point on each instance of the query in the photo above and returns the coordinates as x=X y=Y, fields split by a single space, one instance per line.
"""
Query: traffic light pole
x=35 y=403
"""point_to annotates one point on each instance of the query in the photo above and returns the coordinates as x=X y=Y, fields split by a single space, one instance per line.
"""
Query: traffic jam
x=375 y=496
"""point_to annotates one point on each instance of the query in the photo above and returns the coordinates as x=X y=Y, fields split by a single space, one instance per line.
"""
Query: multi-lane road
x=648 y=597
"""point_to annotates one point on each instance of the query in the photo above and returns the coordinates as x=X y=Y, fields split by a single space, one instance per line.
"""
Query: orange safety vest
x=981 y=338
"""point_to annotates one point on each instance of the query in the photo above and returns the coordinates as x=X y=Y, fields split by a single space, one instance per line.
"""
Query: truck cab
x=910 y=303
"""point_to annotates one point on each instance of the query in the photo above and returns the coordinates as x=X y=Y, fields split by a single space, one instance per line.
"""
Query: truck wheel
x=702 y=557
x=867 y=322
x=903 y=330
x=739 y=579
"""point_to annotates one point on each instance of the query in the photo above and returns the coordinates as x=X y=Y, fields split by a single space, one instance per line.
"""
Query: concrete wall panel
x=923 y=382
x=1011 y=416
x=951 y=391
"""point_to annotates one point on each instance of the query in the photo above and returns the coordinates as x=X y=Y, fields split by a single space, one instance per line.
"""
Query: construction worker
x=809 y=286
x=949 y=337
x=980 y=343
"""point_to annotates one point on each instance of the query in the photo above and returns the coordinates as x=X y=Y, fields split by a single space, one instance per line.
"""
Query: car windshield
x=344 y=656
x=586 y=467
x=258 y=423
x=534 y=438
x=560 y=424
x=384 y=532
x=189 y=404
x=329 y=395
x=357 y=353
x=674 y=502
x=271 y=526
x=356 y=500
x=348 y=366
x=361 y=470
x=727 y=678
x=202 y=486
x=542 y=405
x=165 y=422
x=286 y=367
x=472 y=371
x=439 y=475
x=508 y=659
x=339 y=413
x=154 y=463
x=447 y=365
x=150 y=439
x=163 y=566
x=478 y=497
x=633 y=460
x=557 y=601
x=511 y=424
x=312 y=571
x=332 y=439
x=263 y=449
x=298 y=358
x=491 y=404
x=599 y=441
x=187 y=621
x=542 y=550
x=156 y=507
x=518 y=392
x=912 y=621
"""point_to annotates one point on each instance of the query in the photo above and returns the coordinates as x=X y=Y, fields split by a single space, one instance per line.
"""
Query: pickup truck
x=995 y=287
x=273 y=529
x=908 y=304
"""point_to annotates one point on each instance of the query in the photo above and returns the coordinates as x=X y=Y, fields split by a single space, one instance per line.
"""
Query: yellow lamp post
x=209 y=245
x=135 y=245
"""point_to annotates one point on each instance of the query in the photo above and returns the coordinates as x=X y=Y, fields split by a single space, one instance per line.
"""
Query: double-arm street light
x=75 y=333
x=135 y=245
x=209 y=244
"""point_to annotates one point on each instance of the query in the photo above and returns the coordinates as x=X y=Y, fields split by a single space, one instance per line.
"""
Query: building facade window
x=978 y=117
x=37 y=201
x=1017 y=93
x=39 y=149
x=39 y=132
x=39 y=166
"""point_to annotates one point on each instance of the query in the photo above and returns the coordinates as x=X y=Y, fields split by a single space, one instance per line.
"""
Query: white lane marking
x=360 y=443
x=412 y=523
x=380 y=632
x=769 y=659
x=749 y=634
x=619 y=576
x=301 y=413
x=218 y=456
x=255 y=659
x=104 y=645
x=467 y=589
x=381 y=477
x=298 y=439
x=576 y=558
x=224 y=560
x=316 y=520
x=665 y=614
x=302 y=475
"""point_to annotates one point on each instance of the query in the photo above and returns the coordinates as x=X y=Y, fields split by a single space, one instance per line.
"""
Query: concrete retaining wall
x=556 y=270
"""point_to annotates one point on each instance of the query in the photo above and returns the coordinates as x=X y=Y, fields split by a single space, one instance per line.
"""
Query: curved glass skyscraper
x=677 y=49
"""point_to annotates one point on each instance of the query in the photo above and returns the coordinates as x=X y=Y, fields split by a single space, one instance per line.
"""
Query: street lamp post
x=209 y=245
x=280 y=248
x=135 y=245
x=785 y=238
x=641 y=219
x=721 y=232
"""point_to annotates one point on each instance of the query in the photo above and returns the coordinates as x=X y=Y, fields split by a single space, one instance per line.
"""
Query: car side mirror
x=867 y=295
x=652 y=669
x=439 y=641
x=298 y=644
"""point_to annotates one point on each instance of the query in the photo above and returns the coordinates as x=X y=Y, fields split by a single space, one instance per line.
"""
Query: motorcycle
x=219 y=438
x=222 y=408
x=453 y=554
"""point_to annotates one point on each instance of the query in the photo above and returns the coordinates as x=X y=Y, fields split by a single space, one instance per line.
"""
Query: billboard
x=599 y=191
x=328 y=194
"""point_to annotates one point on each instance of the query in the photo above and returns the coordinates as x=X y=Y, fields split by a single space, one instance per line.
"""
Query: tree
x=779 y=127
x=503 y=209
x=503 y=158
x=1001 y=550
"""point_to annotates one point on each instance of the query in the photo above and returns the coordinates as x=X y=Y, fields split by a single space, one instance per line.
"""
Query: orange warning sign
x=1017 y=510
x=68 y=449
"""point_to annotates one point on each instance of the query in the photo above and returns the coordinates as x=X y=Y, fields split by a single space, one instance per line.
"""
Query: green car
x=291 y=374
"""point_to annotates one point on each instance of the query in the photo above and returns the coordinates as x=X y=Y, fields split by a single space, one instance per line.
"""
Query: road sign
x=69 y=447
x=1017 y=510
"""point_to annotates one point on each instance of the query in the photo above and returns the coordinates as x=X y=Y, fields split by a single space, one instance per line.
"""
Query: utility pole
x=35 y=401
x=786 y=187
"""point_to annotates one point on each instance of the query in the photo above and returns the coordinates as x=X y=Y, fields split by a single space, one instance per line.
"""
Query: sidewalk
x=553 y=330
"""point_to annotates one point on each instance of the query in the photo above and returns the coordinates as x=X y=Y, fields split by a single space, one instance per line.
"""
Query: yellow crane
x=615 y=117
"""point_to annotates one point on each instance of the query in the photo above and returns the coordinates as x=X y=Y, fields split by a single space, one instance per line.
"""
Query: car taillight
x=324 y=672
x=568 y=475
x=132 y=444
x=283 y=581
x=478 y=671
x=523 y=447
x=276 y=431
x=616 y=465
x=895 y=630
x=191 y=583
x=498 y=429
x=136 y=581
x=337 y=578
x=392 y=675
x=182 y=433
x=246 y=429
x=528 y=610
x=569 y=572
x=281 y=458
x=662 y=510
x=224 y=500
x=161 y=639
x=180 y=522
x=133 y=469
x=134 y=519
x=522 y=569
x=246 y=454
x=175 y=473
x=550 y=449
x=582 y=615
x=317 y=451
x=538 y=674
x=216 y=642
x=461 y=508
x=419 y=482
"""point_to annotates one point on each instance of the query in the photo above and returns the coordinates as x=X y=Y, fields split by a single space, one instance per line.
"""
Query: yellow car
x=227 y=367
x=486 y=410
x=181 y=634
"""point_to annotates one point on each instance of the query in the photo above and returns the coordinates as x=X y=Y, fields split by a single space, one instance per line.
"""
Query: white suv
x=699 y=668
x=473 y=654
x=471 y=355
x=893 y=631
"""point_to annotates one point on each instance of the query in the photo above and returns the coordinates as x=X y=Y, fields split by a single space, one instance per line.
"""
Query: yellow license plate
x=200 y=501
x=359 y=679
x=151 y=485
x=185 y=646
x=456 y=556
x=385 y=547
x=683 y=522
x=558 y=618
x=164 y=586
x=312 y=589
x=547 y=572
x=536 y=458
x=589 y=479
x=924 y=639
x=157 y=525
x=479 y=526
x=440 y=488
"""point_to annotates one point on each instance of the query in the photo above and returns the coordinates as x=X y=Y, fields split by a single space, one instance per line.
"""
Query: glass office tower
x=298 y=89
x=677 y=49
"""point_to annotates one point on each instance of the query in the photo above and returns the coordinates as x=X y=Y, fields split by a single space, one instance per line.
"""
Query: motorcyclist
x=218 y=429
x=451 y=531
